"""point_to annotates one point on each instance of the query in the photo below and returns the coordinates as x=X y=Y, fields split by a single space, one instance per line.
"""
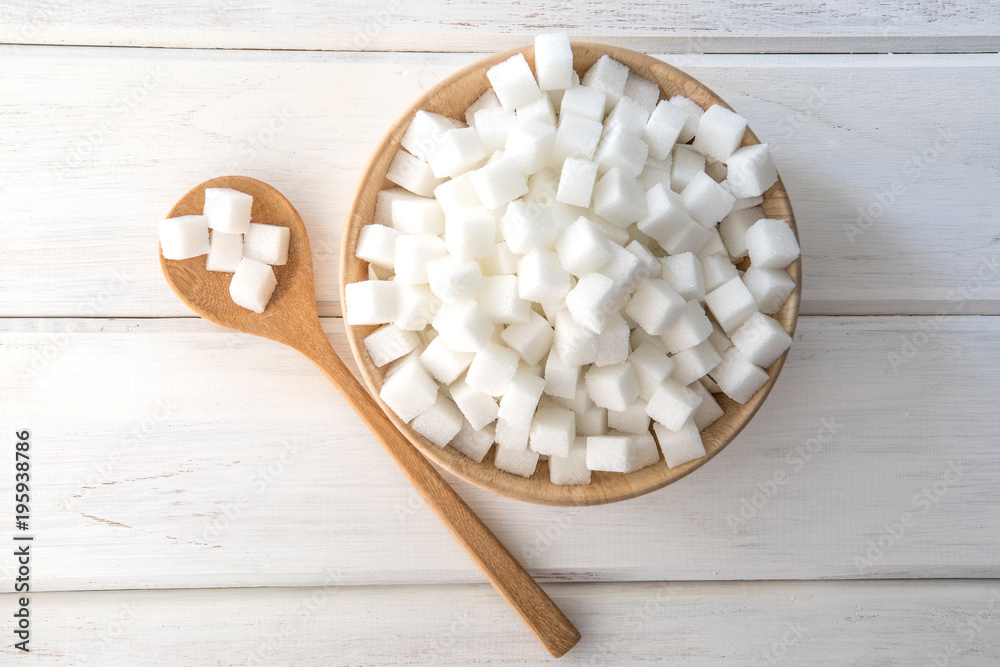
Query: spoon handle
x=549 y=625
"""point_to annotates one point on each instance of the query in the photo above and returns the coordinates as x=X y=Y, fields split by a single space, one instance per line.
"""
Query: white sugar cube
x=622 y=147
x=413 y=214
x=225 y=252
x=389 y=343
x=642 y=91
x=254 y=282
x=502 y=262
x=708 y=383
x=672 y=404
x=651 y=267
x=655 y=306
x=184 y=236
x=692 y=327
x=681 y=445
x=571 y=470
x=761 y=339
x=614 y=387
x=576 y=181
x=416 y=305
x=513 y=82
x=613 y=342
x=553 y=61
x=492 y=369
x=695 y=362
x=608 y=76
x=413 y=253
x=720 y=132
x=493 y=126
x=638 y=337
x=582 y=247
x=593 y=420
x=717 y=170
x=517 y=406
x=542 y=186
x=368 y=301
x=469 y=232
x=666 y=216
x=577 y=137
x=691 y=237
x=464 y=326
x=561 y=378
x=528 y=225
x=706 y=201
x=267 y=244
x=580 y=403
x=377 y=245
x=413 y=174
x=575 y=344
x=632 y=420
x=584 y=102
x=409 y=390
x=541 y=278
x=594 y=301
x=642 y=452
x=709 y=410
x=627 y=114
x=624 y=268
x=771 y=244
x=683 y=273
x=731 y=303
x=513 y=458
x=530 y=145
x=751 y=171
x=553 y=431
x=474 y=444
x=531 y=339
x=739 y=377
x=609 y=452
x=453 y=279
x=653 y=175
x=733 y=229
x=498 y=182
x=663 y=129
x=617 y=235
x=539 y=110
x=439 y=423
x=619 y=198
x=717 y=270
x=444 y=363
x=228 y=210
x=383 y=204
x=652 y=366
x=770 y=287
x=424 y=132
x=500 y=301
x=457 y=151
x=714 y=245
x=694 y=112
x=487 y=100
x=685 y=163
x=720 y=341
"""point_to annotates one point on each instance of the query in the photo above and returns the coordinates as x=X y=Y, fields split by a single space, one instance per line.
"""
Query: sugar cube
x=717 y=270
x=492 y=369
x=655 y=306
x=694 y=112
x=582 y=247
x=517 y=406
x=771 y=244
x=575 y=344
x=739 y=377
x=706 y=201
x=576 y=181
x=439 y=423
x=672 y=404
x=413 y=214
x=531 y=339
x=267 y=244
x=389 y=343
x=527 y=225
x=500 y=301
x=593 y=420
x=473 y=443
x=417 y=306
x=642 y=91
x=538 y=110
x=409 y=390
x=666 y=216
x=680 y=446
x=761 y=339
x=413 y=174
x=530 y=145
x=720 y=132
x=553 y=431
x=685 y=163
x=377 y=245
x=454 y=279
x=413 y=253
x=651 y=267
x=663 y=128
x=498 y=182
x=643 y=452
x=570 y=470
x=424 y=132
x=720 y=341
x=692 y=327
x=184 y=236
x=368 y=301
x=541 y=278
x=629 y=115
x=733 y=229
x=469 y=232
x=254 y=282
x=624 y=268
x=577 y=137
x=513 y=82
x=609 y=452
x=478 y=407
x=770 y=287
x=444 y=363
x=695 y=362
x=225 y=252
x=608 y=76
x=458 y=150
x=584 y=102
x=502 y=262
x=751 y=171
x=553 y=60
x=683 y=273
x=623 y=148
x=709 y=411
x=561 y=378
x=487 y=100
x=613 y=342
x=493 y=126
x=463 y=325
x=594 y=301
x=651 y=366
x=619 y=198
x=632 y=419
x=731 y=303
x=714 y=245
x=228 y=210
x=614 y=387
x=513 y=458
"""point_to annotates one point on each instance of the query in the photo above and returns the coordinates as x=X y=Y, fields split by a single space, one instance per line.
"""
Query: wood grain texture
x=423 y=25
x=241 y=466
x=717 y=624
x=290 y=318
x=451 y=98
x=88 y=170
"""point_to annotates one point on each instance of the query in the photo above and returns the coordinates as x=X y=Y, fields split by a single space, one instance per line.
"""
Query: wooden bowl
x=451 y=97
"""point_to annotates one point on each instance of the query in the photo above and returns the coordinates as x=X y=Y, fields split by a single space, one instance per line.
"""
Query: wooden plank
x=698 y=26
x=99 y=146
x=706 y=623
x=168 y=453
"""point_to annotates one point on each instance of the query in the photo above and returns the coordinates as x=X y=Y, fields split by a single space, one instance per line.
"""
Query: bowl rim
x=486 y=475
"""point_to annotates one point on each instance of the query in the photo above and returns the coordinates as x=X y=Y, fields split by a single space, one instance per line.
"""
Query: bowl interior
x=450 y=98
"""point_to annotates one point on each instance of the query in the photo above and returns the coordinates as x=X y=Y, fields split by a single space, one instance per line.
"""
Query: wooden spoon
x=291 y=318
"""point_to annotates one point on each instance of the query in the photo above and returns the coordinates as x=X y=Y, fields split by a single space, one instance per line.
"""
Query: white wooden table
x=204 y=498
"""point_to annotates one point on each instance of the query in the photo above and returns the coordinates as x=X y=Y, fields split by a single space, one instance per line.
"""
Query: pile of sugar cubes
x=556 y=274
x=235 y=245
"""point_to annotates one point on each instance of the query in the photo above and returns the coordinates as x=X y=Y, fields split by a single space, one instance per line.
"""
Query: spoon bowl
x=291 y=318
